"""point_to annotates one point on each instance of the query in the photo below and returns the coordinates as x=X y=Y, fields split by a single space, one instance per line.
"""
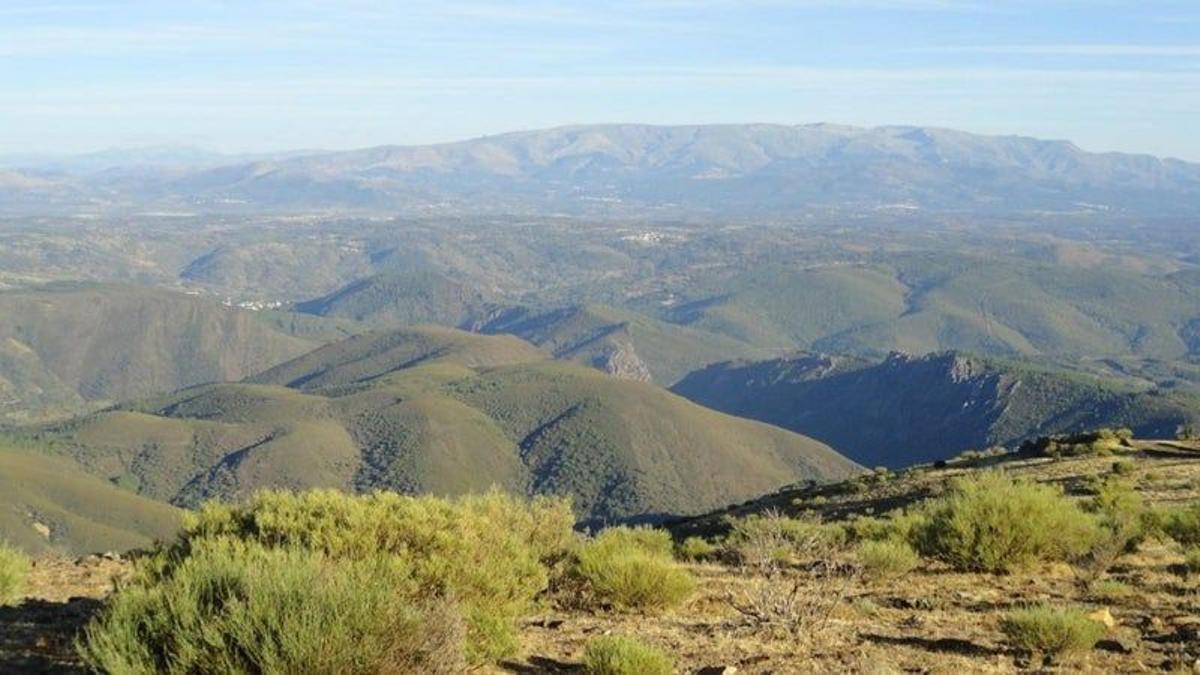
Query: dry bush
x=779 y=597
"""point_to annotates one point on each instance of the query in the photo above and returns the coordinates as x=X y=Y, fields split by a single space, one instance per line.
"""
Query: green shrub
x=898 y=526
x=887 y=558
x=490 y=552
x=990 y=523
x=234 y=606
x=1191 y=560
x=613 y=655
x=14 y=570
x=697 y=548
x=1183 y=525
x=1109 y=589
x=1054 y=632
x=1123 y=521
x=1099 y=442
x=1123 y=468
x=629 y=569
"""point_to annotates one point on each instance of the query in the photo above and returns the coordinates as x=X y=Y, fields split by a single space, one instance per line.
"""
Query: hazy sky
x=259 y=75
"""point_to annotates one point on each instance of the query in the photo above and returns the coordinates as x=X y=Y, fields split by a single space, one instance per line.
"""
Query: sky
x=264 y=75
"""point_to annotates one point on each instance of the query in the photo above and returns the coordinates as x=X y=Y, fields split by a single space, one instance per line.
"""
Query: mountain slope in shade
x=51 y=505
x=906 y=410
x=449 y=413
x=67 y=344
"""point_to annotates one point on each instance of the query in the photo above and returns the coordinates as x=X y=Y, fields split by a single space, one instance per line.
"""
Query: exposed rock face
x=620 y=360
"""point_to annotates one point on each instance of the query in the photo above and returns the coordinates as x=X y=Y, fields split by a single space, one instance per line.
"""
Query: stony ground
x=930 y=621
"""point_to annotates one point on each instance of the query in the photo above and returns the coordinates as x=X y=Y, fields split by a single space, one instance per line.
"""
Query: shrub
x=1109 y=589
x=1055 y=632
x=770 y=538
x=899 y=526
x=238 y=607
x=631 y=569
x=489 y=552
x=887 y=558
x=991 y=523
x=1123 y=468
x=613 y=655
x=1123 y=519
x=697 y=548
x=1099 y=442
x=14 y=570
x=1183 y=525
x=1191 y=560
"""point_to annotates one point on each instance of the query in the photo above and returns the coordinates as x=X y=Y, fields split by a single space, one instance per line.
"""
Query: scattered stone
x=42 y=529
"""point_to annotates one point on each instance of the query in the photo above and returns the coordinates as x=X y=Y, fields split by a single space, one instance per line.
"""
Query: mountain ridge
x=714 y=170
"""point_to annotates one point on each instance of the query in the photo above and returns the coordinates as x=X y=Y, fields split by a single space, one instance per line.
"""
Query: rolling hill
x=905 y=410
x=401 y=299
x=51 y=505
x=921 y=302
x=64 y=346
x=443 y=411
x=620 y=342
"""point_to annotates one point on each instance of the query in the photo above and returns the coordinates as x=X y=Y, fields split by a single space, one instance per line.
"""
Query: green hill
x=65 y=345
x=444 y=411
x=934 y=301
x=52 y=505
x=620 y=342
x=904 y=410
x=402 y=298
x=370 y=355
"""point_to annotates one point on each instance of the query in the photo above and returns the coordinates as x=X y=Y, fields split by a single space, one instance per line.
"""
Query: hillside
x=66 y=345
x=904 y=409
x=443 y=411
x=619 y=342
x=400 y=299
x=50 y=505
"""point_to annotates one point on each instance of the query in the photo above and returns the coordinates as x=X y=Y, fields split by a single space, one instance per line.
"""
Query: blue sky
x=265 y=75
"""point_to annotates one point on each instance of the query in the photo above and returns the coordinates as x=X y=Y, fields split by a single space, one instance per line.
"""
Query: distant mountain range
x=713 y=170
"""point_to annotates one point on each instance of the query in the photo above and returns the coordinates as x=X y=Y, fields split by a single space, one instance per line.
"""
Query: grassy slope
x=398 y=299
x=438 y=425
x=84 y=513
x=932 y=302
x=591 y=334
x=63 y=344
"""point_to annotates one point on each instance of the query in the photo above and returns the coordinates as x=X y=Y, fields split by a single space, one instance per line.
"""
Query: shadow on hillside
x=37 y=636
